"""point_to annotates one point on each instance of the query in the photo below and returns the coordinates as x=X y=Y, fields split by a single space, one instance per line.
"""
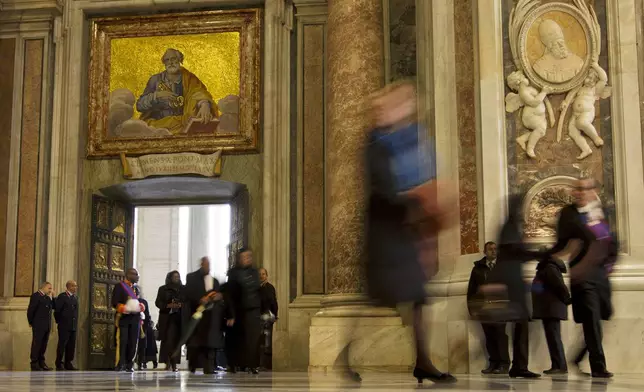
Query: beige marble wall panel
x=313 y=158
x=466 y=107
x=8 y=53
x=29 y=155
x=355 y=70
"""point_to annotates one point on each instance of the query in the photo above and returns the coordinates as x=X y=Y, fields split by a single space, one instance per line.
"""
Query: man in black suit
x=496 y=339
x=590 y=287
x=39 y=318
x=66 y=316
x=202 y=289
x=128 y=320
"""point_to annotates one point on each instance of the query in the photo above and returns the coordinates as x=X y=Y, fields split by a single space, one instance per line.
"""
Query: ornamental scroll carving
x=555 y=49
x=542 y=205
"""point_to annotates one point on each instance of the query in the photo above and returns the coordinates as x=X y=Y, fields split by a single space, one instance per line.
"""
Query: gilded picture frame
x=136 y=107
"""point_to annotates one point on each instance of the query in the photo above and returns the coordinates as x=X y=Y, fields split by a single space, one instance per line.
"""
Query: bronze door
x=110 y=256
x=239 y=222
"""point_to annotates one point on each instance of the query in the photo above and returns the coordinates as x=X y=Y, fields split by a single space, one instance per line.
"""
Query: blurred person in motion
x=550 y=300
x=507 y=280
x=585 y=221
x=242 y=294
x=496 y=339
x=402 y=217
x=203 y=289
x=170 y=303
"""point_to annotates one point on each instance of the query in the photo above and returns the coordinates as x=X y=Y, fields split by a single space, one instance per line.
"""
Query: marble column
x=355 y=70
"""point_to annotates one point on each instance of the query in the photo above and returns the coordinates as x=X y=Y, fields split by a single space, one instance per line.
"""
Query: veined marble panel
x=29 y=165
x=466 y=118
x=8 y=52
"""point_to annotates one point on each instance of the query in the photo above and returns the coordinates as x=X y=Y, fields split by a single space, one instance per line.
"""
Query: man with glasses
x=585 y=220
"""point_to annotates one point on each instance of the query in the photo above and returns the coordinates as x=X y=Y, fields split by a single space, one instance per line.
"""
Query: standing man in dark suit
x=496 y=339
x=585 y=220
x=128 y=320
x=39 y=318
x=269 y=309
x=66 y=316
x=202 y=289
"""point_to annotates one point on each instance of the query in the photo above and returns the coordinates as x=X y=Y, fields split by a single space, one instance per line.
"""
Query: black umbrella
x=192 y=325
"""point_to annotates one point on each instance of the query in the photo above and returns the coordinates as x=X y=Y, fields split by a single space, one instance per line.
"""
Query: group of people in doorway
x=224 y=326
x=583 y=223
x=221 y=324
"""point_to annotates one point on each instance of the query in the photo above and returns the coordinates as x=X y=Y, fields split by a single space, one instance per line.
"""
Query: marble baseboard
x=377 y=342
x=15 y=336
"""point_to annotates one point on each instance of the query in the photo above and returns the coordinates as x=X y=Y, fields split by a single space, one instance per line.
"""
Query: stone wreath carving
x=542 y=205
x=555 y=49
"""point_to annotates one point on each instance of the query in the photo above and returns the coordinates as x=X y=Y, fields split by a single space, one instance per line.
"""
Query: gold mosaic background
x=213 y=58
x=573 y=34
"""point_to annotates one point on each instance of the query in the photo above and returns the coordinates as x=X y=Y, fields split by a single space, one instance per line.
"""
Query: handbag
x=494 y=307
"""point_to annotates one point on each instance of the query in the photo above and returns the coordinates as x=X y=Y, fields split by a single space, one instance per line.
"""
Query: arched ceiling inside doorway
x=174 y=190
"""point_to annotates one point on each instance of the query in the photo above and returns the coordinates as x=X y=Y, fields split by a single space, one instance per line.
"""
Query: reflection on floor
x=295 y=382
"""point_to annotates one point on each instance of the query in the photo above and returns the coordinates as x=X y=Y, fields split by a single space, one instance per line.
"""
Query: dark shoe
x=555 y=372
x=351 y=375
x=70 y=368
x=490 y=369
x=501 y=370
x=442 y=378
x=119 y=368
x=44 y=367
x=36 y=368
x=155 y=365
x=254 y=371
x=602 y=374
x=193 y=370
x=129 y=370
x=523 y=374
x=174 y=367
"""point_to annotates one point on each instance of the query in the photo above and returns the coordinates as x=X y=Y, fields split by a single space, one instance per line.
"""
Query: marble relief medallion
x=555 y=49
x=100 y=256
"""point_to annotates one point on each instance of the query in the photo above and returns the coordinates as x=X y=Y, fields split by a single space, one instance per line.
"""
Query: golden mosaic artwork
x=573 y=32
x=134 y=60
x=221 y=66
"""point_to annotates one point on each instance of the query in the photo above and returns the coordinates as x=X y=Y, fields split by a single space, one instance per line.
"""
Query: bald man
x=66 y=316
x=39 y=318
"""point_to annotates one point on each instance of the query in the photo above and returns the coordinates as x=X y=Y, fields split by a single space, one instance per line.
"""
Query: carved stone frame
x=247 y=22
x=534 y=191
x=592 y=46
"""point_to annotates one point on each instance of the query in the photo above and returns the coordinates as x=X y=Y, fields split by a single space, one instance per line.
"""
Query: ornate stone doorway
x=112 y=241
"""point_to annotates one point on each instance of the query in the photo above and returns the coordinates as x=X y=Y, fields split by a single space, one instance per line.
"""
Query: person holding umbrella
x=204 y=333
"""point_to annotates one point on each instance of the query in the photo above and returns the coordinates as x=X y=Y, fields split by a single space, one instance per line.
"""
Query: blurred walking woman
x=169 y=302
x=402 y=217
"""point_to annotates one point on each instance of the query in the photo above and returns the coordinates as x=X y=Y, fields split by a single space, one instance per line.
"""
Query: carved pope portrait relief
x=558 y=63
x=555 y=49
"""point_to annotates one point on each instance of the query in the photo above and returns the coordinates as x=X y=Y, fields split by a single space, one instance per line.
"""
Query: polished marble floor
x=293 y=382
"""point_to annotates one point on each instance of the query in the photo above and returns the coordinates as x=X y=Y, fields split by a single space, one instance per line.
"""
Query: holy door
x=239 y=221
x=110 y=257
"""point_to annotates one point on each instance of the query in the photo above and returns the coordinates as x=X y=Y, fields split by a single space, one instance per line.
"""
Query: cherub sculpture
x=534 y=105
x=583 y=99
